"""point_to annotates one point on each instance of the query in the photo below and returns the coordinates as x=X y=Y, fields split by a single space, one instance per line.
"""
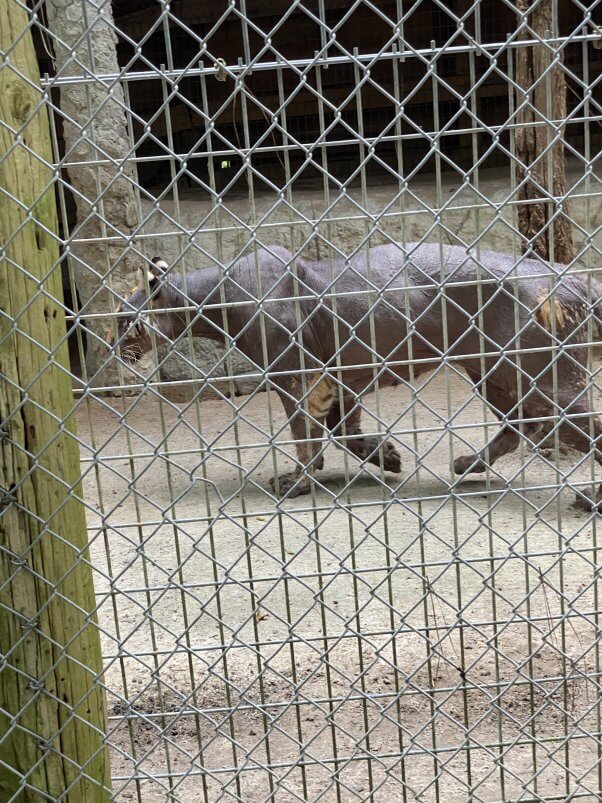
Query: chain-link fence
x=323 y=264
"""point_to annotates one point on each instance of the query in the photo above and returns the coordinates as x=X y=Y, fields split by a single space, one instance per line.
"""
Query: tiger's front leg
x=307 y=407
x=344 y=420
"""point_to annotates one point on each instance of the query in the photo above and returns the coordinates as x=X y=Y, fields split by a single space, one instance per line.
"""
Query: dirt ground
x=409 y=638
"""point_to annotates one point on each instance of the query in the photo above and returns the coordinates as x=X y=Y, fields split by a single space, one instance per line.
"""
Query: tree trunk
x=95 y=129
x=545 y=101
x=52 y=706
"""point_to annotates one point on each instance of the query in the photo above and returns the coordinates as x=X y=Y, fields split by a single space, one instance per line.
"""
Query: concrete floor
x=433 y=618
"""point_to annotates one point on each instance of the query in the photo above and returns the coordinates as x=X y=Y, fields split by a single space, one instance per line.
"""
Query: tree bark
x=95 y=129
x=546 y=97
x=52 y=706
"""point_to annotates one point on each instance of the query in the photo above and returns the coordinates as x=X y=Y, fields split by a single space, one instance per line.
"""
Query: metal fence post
x=52 y=705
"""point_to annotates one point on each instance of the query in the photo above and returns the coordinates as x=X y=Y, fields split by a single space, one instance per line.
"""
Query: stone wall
x=104 y=194
x=467 y=216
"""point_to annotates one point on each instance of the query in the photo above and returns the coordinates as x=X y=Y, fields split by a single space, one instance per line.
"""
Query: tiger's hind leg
x=582 y=430
x=506 y=440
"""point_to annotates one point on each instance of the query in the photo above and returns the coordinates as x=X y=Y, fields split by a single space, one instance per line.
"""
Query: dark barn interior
x=398 y=97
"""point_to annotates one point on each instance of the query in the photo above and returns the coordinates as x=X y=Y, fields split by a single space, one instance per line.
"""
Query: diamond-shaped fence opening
x=326 y=351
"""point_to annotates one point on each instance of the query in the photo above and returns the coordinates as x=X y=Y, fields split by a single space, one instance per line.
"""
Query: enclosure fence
x=289 y=607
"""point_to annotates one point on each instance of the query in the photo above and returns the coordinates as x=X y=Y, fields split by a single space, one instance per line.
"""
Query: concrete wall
x=467 y=216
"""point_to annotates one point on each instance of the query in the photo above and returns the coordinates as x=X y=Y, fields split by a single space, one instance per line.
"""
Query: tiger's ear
x=153 y=272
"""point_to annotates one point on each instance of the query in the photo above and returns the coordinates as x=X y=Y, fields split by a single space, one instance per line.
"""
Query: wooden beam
x=53 y=709
x=542 y=97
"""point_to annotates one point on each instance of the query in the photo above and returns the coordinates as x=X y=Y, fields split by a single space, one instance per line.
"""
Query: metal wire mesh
x=421 y=635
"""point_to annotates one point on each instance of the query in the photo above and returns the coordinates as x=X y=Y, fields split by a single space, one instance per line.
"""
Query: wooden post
x=52 y=706
x=546 y=98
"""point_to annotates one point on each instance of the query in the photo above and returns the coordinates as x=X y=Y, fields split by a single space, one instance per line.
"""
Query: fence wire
x=390 y=626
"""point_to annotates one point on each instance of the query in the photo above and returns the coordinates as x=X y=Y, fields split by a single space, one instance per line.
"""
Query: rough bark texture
x=95 y=128
x=547 y=97
x=53 y=710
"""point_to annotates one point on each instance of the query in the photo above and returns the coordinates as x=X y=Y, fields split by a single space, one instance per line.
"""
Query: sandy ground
x=386 y=639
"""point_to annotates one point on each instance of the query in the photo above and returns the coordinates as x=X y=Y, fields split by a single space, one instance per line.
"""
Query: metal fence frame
x=347 y=679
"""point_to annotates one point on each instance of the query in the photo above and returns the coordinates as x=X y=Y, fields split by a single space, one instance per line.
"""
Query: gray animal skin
x=360 y=314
